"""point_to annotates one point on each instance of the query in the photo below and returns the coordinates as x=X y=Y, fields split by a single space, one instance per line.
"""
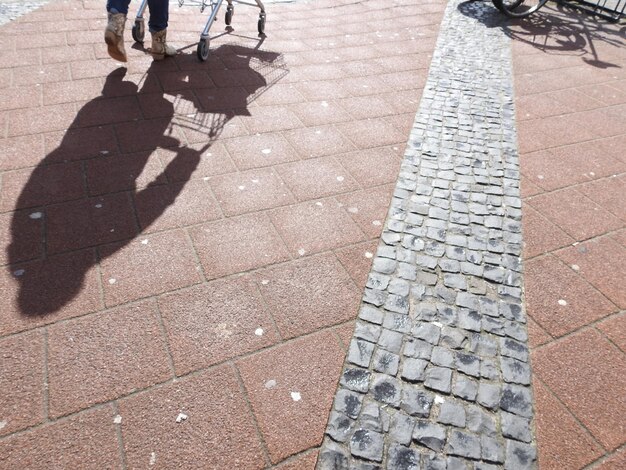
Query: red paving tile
x=541 y=235
x=312 y=142
x=536 y=335
x=87 y=440
x=292 y=294
x=254 y=190
x=602 y=262
x=30 y=148
x=260 y=150
x=585 y=372
x=41 y=185
x=578 y=216
x=22 y=233
x=213 y=322
x=22 y=375
x=563 y=443
x=89 y=222
x=237 y=245
x=558 y=299
x=608 y=193
x=614 y=328
x=80 y=144
x=201 y=162
x=616 y=461
x=312 y=227
x=369 y=208
x=175 y=205
x=318 y=113
x=372 y=133
x=207 y=401
x=372 y=167
x=42 y=292
x=302 y=462
x=316 y=178
x=147 y=266
x=345 y=333
x=271 y=119
x=291 y=389
x=90 y=362
x=107 y=174
x=620 y=236
x=357 y=260
x=569 y=165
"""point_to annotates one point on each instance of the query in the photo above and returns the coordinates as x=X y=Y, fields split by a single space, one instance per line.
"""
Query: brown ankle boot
x=114 y=36
x=160 y=48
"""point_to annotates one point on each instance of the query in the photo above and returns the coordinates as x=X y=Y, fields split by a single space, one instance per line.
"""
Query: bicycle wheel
x=518 y=8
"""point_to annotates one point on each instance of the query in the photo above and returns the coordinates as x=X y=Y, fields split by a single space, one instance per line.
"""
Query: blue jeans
x=159 y=12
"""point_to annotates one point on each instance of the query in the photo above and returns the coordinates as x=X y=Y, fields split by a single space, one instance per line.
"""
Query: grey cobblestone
x=10 y=11
x=440 y=348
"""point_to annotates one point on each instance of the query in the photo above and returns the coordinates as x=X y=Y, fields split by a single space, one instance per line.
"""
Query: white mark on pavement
x=265 y=282
x=3 y=424
x=242 y=187
x=19 y=272
x=575 y=267
x=436 y=323
x=377 y=223
x=258 y=332
x=340 y=178
x=152 y=458
x=562 y=302
x=36 y=215
x=353 y=210
x=112 y=281
x=266 y=151
x=295 y=396
x=319 y=204
x=98 y=206
x=270 y=384
x=301 y=251
x=181 y=417
x=439 y=400
x=117 y=419
x=369 y=254
x=324 y=104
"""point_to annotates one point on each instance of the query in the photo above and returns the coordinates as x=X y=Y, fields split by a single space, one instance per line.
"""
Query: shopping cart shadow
x=557 y=28
x=84 y=225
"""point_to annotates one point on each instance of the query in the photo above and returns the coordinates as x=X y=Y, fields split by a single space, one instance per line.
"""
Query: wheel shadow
x=557 y=28
x=78 y=228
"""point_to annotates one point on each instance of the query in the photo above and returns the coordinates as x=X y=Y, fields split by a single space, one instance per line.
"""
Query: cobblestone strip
x=437 y=375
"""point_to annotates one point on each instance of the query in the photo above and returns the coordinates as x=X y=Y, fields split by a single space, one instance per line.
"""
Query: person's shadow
x=86 y=222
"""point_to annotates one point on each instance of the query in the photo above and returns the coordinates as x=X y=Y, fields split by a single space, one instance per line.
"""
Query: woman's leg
x=159 y=14
x=118 y=6
x=114 y=31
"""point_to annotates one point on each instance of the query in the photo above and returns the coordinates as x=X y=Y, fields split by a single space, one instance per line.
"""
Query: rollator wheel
x=229 y=15
x=203 y=50
x=261 y=25
x=138 y=31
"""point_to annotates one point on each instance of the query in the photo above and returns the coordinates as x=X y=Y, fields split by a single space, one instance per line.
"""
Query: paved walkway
x=186 y=245
x=570 y=81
